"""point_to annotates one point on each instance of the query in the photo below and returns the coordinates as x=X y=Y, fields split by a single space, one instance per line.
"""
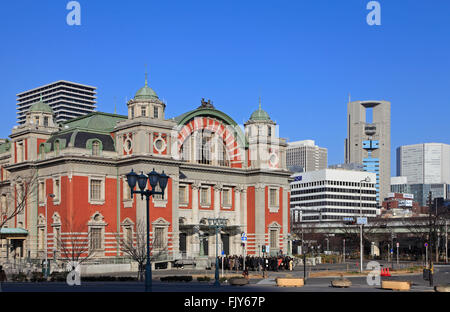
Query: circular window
x=273 y=159
x=160 y=145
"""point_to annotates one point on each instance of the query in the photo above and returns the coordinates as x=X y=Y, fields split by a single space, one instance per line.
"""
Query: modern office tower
x=332 y=195
x=427 y=163
x=306 y=155
x=368 y=140
x=67 y=99
x=420 y=190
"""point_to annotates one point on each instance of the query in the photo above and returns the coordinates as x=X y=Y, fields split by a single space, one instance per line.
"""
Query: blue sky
x=302 y=57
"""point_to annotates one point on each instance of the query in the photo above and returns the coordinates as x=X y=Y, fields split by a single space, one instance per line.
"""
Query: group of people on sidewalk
x=254 y=263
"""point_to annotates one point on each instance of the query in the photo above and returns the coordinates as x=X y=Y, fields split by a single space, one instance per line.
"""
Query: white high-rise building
x=67 y=99
x=333 y=195
x=306 y=155
x=427 y=163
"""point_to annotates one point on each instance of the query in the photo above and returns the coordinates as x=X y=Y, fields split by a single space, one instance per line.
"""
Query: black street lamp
x=217 y=224
x=153 y=178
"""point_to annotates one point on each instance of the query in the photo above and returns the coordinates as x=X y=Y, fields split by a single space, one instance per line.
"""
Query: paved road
x=359 y=284
x=319 y=284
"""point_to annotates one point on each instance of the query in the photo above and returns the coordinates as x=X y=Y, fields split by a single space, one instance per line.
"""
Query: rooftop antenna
x=349 y=98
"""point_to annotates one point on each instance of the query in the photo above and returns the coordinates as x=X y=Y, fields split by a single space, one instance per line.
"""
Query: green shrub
x=176 y=278
x=37 y=277
x=58 y=276
x=100 y=278
x=126 y=278
x=203 y=278
x=21 y=277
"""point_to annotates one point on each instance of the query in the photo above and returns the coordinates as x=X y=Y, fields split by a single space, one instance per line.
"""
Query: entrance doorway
x=226 y=243
x=182 y=245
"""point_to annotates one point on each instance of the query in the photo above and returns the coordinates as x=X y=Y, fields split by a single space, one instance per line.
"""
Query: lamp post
x=361 y=247
x=154 y=178
x=446 y=242
x=217 y=224
x=46 y=234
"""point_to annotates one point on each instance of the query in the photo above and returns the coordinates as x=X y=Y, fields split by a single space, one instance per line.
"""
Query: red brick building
x=215 y=170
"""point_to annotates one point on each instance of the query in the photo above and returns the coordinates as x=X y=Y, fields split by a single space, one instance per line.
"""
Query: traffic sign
x=398 y=245
x=426 y=244
x=361 y=220
x=223 y=252
x=392 y=250
x=243 y=237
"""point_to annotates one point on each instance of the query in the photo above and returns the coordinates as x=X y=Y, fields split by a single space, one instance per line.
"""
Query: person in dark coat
x=2 y=275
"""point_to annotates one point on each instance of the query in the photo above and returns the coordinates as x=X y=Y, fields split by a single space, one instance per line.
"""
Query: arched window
x=203 y=147
x=96 y=148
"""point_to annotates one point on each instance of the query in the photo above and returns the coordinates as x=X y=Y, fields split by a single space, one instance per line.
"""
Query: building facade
x=67 y=99
x=306 y=155
x=215 y=170
x=368 y=140
x=420 y=191
x=333 y=195
x=427 y=163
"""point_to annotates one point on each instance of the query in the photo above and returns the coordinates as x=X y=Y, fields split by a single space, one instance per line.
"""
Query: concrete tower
x=368 y=140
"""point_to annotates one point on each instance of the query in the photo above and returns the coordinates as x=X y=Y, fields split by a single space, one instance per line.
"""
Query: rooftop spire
x=146 y=75
x=259 y=105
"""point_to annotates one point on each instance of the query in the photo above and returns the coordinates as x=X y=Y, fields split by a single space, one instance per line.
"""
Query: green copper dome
x=260 y=114
x=41 y=107
x=145 y=93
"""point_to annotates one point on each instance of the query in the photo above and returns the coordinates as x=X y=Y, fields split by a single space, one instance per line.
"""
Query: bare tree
x=430 y=228
x=74 y=246
x=136 y=247
x=17 y=196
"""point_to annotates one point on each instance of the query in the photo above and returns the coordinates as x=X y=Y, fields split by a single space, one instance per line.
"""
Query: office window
x=41 y=238
x=226 y=197
x=204 y=196
x=126 y=190
x=158 y=189
x=273 y=197
x=159 y=238
x=41 y=191
x=143 y=111
x=96 y=238
x=155 y=111
x=37 y=120
x=96 y=189
x=273 y=239
x=46 y=121
x=57 y=237
x=129 y=236
x=182 y=196
x=132 y=111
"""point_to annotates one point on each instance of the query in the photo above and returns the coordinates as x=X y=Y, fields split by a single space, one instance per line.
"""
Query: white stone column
x=244 y=208
x=217 y=188
x=237 y=205
x=195 y=237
